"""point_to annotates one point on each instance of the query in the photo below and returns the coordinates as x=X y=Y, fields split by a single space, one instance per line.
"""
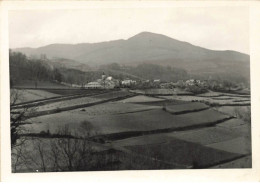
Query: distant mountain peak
x=157 y=39
x=147 y=34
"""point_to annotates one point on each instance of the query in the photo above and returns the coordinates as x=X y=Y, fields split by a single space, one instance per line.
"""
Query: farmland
x=141 y=131
x=28 y=95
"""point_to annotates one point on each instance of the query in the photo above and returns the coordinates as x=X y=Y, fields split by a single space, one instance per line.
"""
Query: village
x=191 y=85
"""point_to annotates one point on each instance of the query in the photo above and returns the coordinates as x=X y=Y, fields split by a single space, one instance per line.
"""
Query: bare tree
x=18 y=116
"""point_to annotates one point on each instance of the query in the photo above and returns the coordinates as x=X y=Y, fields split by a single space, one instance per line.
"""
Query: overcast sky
x=223 y=28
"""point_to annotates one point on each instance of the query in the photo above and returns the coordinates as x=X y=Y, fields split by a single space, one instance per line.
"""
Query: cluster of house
x=106 y=82
x=193 y=82
x=181 y=83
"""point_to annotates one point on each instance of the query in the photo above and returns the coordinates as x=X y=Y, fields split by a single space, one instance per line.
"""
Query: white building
x=93 y=85
x=128 y=82
x=109 y=78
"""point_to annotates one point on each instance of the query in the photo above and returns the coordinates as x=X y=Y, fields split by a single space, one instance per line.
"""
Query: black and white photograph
x=116 y=89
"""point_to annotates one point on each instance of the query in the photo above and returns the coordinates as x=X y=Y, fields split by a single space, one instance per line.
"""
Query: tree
x=68 y=152
x=57 y=75
x=228 y=84
x=18 y=116
x=70 y=79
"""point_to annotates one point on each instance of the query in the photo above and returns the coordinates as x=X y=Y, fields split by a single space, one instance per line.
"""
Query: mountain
x=151 y=48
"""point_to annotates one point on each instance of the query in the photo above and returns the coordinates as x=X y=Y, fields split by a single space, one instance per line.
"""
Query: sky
x=217 y=28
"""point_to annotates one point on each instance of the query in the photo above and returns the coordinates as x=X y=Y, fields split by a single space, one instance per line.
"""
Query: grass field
x=230 y=101
x=205 y=136
x=67 y=103
x=232 y=110
x=141 y=98
x=238 y=126
x=82 y=100
x=240 y=145
x=199 y=140
x=40 y=84
x=211 y=94
x=232 y=123
x=244 y=162
x=162 y=92
x=75 y=91
x=31 y=95
x=186 y=153
x=129 y=122
x=112 y=108
x=185 y=108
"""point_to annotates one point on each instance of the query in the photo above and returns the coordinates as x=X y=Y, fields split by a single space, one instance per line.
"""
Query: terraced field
x=141 y=99
x=232 y=110
x=205 y=136
x=31 y=95
x=145 y=121
x=185 y=108
x=185 y=153
x=175 y=91
x=174 y=131
x=26 y=84
x=219 y=101
x=71 y=103
x=112 y=108
x=244 y=162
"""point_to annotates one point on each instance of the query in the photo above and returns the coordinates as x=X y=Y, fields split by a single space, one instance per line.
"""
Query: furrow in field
x=41 y=102
x=115 y=126
x=76 y=103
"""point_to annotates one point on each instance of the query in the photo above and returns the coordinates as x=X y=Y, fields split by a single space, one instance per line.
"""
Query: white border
x=132 y=176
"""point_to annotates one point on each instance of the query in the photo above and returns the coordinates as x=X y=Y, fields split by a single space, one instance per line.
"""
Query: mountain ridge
x=147 y=47
x=130 y=38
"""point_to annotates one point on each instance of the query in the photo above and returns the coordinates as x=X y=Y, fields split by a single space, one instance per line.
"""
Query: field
x=71 y=102
x=27 y=84
x=151 y=132
x=205 y=136
x=185 y=108
x=232 y=110
x=141 y=99
x=74 y=91
x=185 y=153
x=162 y=92
x=32 y=95
x=220 y=100
x=118 y=124
x=243 y=162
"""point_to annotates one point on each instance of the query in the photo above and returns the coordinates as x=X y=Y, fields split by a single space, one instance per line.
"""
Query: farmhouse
x=168 y=85
x=109 y=84
x=128 y=82
x=109 y=78
x=93 y=85
x=192 y=82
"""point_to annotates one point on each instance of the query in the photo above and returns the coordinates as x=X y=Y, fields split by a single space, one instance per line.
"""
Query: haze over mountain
x=151 y=48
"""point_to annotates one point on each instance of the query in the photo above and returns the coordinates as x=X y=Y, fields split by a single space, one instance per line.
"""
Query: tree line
x=24 y=68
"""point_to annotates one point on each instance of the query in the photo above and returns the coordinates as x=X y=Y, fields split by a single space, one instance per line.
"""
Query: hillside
x=68 y=63
x=154 y=49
